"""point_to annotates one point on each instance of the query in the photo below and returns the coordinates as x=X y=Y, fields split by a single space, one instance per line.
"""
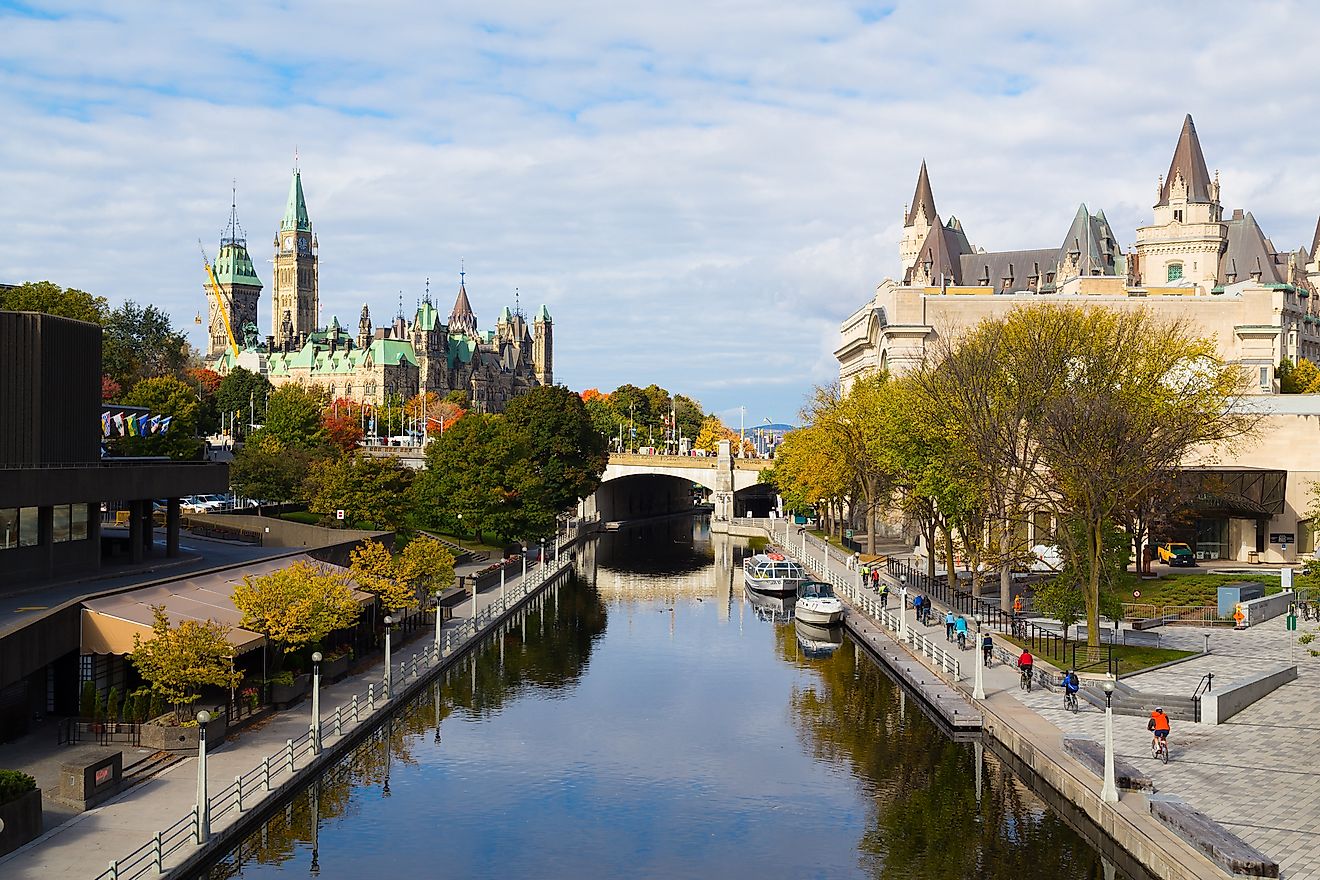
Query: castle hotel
x=400 y=359
x=1194 y=262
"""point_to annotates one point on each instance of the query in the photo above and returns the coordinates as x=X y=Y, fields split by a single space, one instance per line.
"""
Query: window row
x=20 y=526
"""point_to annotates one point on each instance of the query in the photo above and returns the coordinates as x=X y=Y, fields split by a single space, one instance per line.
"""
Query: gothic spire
x=462 y=318
x=295 y=213
x=1189 y=162
x=923 y=198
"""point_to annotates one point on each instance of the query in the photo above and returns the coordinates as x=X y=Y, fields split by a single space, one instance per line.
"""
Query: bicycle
x=1024 y=681
x=1159 y=749
x=1070 y=701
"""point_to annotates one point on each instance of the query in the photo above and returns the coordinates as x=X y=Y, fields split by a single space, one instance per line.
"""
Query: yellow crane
x=219 y=298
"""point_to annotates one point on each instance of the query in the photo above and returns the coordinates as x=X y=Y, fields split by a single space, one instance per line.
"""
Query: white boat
x=817 y=641
x=772 y=572
x=817 y=604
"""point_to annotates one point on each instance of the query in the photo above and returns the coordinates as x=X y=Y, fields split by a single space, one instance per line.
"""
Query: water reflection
x=688 y=738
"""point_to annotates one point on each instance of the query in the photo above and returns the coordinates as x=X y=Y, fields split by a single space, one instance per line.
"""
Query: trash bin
x=1253 y=557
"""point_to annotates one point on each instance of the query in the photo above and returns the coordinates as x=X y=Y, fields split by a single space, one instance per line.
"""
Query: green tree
x=140 y=343
x=51 y=299
x=426 y=565
x=367 y=488
x=688 y=415
x=602 y=417
x=296 y=606
x=266 y=470
x=180 y=660
x=293 y=416
x=375 y=570
x=239 y=394
x=165 y=396
x=632 y=406
x=566 y=452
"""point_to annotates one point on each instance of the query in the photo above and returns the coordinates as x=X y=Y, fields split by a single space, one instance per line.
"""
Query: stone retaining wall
x=1217 y=706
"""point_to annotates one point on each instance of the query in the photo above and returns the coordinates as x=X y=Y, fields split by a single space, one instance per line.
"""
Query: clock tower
x=295 y=304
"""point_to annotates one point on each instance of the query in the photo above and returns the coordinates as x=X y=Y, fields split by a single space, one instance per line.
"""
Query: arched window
x=1175 y=271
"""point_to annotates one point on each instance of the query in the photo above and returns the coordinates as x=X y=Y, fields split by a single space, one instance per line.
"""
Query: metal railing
x=251 y=787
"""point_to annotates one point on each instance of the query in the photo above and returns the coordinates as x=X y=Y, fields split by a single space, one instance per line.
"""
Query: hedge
x=13 y=785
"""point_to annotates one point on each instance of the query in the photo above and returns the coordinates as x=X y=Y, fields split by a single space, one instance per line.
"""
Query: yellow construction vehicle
x=220 y=304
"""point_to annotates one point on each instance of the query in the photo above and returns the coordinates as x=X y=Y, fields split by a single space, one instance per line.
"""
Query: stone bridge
x=638 y=486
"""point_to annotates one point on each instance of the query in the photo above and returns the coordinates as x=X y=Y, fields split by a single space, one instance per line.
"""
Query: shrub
x=87 y=700
x=157 y=705
x=14 y=785
x=141 y=704
x=113 y=706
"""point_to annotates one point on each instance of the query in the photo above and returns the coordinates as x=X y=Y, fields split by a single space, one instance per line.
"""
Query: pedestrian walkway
x=85 y=845
x=1258 y=775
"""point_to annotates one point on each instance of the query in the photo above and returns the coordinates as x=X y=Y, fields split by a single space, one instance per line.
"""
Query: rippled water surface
x=651 y=720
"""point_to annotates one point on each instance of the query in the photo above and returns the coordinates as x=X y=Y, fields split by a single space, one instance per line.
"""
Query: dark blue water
x=650 y=721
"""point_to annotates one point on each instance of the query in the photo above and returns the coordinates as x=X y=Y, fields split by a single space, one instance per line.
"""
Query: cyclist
x=948 y=626
x=1159 y=728
x=884 y=595
x=960 y=627
x=1025 y=664
x=987 y=648
x=1070 y=687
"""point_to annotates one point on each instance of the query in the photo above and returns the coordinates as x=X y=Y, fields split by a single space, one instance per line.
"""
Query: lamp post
x=1110 y=790
x=902 y=613
x=437 y=622
x=524 y=556
x=203 y=802
x=389 y=626
x=541 y=559
x=316 y=702
x=978 y=692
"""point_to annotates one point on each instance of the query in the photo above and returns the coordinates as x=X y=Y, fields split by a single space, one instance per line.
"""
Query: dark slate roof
x=1091 y=239
x=1315 y=240
x=942 y=249
x=1249 y=252
x=923 y=197
x=1188 y=160
x=1018 y=267
x=462 y=318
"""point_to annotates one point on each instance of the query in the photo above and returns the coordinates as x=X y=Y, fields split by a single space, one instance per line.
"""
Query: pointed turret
x=295 y=213
x=462 y=319
x=922 y=199
x=1189 y=164
x=1315 y=241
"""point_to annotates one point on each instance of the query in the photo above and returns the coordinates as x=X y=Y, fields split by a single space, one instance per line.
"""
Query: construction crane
x=214 y=286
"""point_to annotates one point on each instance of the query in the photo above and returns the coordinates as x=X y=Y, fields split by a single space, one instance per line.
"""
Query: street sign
x=1283 y=538
x=339 y=514
x=847 y=533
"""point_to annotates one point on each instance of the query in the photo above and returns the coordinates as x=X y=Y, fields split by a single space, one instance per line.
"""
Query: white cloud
x=699 y=191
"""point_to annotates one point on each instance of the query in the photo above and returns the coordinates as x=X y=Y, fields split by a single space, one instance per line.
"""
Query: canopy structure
x=109 y=624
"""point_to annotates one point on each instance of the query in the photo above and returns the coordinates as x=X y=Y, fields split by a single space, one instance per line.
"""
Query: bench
x=1141 y=639
x=1221 y=846
x=1092 y=756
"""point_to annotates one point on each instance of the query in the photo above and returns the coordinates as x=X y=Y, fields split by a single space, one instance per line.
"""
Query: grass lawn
x=471 y=544
x=1189 y=589
x=302 y=516
x=1130 y=657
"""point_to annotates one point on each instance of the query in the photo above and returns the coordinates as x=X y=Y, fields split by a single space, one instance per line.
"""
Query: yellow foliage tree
x=296 y=606
x=180 y=660
x=373 y=567
x=426 y=566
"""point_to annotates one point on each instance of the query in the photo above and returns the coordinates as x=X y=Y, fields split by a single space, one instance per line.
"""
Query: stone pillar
x=172 y=527
x=135 y=531
x=723 y=495
x=46 y=536
x=94 y=530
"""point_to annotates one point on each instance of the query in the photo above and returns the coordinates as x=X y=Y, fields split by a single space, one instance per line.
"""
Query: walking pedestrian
x=948 y=626
x=987 y=649
x=960 y=627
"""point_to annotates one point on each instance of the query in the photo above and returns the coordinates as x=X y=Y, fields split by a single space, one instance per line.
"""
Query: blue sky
x=699 y=191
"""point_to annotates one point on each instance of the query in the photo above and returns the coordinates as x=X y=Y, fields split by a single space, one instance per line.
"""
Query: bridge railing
x=683 y=461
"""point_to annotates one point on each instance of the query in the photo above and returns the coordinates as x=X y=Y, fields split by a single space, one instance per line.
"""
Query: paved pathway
x=84 y=846
x=1258 y=774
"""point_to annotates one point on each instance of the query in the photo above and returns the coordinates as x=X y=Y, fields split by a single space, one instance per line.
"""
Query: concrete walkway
x=84 y=846
x=1258 y=775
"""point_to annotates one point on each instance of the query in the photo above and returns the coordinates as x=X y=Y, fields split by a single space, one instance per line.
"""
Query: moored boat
x=772 y=572
x=817 y=604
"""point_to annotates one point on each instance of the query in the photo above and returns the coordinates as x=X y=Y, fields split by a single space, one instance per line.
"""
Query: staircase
x=1127 y=700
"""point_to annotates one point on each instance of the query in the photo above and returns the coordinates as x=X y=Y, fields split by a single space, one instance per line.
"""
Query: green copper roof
x=389 y=351
x=460 y=349
x=505 y=315
x=543 y=314
x=233 y=265
x=427 y=317
x=295 y=214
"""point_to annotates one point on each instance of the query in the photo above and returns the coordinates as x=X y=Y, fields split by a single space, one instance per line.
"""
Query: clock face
x=288 y=242
x=302 y=246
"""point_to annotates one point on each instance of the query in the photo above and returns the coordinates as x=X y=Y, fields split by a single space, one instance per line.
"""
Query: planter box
x=172 y=738
x=284 y=694
x=20 y=821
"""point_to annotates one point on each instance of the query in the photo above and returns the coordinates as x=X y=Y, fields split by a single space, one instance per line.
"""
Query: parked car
x=217 y=502
x=1175 y=553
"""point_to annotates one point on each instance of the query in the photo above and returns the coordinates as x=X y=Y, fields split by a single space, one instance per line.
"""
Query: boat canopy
x=816 y=590
x=764 y=568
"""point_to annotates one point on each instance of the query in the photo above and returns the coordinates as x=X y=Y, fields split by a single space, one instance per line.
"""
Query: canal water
x=651 y=720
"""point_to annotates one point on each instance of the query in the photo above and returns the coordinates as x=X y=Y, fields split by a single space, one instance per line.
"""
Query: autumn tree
x=178 y=661
x=426 y=565
x=374 y=568
x=404 y=579
x=296 y=606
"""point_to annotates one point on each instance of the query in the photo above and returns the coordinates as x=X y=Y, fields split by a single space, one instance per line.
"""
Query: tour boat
x=772 y=572
x=817 y=641
x=817 y=604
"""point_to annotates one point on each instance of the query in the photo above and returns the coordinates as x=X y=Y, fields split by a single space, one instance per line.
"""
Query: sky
x=698 y=191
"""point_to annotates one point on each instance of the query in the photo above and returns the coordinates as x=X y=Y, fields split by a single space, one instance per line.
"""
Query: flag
x=105 y=424
x=117 y=421
x=154 y=424
x=165 y=423
x=142 y=425
x=130 y=425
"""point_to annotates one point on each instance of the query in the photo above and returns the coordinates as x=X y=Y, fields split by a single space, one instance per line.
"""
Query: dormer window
x=1175 y=272
x=1177 y=216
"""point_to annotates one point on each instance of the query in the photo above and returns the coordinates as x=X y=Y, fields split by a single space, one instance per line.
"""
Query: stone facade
x=400 y=359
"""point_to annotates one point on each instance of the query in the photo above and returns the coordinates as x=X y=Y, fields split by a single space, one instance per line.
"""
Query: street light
x=203 y=802
x=437 y=622
x=316 y=702
x=978 y=692
x=902 y=613
x=524 y=556
x=389 y=624
x=1110 y=790
x=541 y=558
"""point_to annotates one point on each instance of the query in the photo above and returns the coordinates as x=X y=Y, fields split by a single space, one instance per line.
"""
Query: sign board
x=1285 y=578
x=339 y=514
x=847 y=533
x=1283 y=538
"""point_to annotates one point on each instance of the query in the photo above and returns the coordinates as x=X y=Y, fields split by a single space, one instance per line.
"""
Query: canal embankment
x=1033 y=745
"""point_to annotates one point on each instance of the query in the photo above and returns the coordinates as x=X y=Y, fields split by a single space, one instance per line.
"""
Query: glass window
x=1175 y=271
x=60 y=526
x=78 y=522
x=8 y=527
x=27 y=527
x=1305 y=536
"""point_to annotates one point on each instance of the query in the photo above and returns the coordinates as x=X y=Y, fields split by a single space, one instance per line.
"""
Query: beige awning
x=109 y=624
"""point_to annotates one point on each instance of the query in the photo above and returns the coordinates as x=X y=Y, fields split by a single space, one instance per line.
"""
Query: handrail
x=151 y=856
x=1209 y=681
